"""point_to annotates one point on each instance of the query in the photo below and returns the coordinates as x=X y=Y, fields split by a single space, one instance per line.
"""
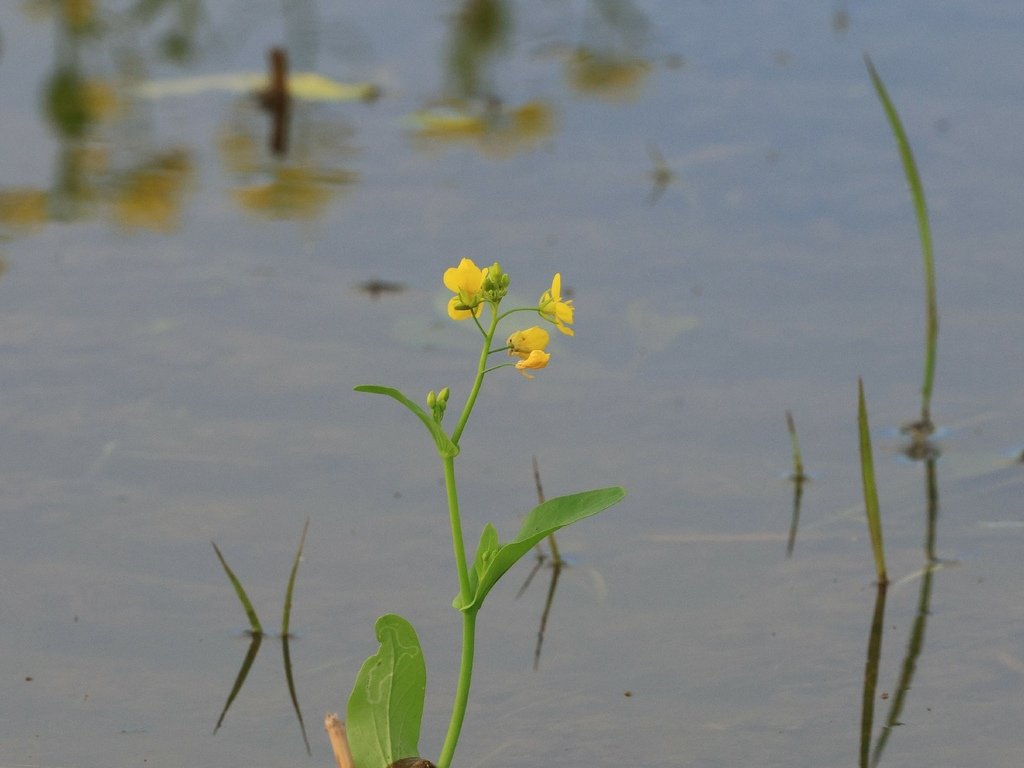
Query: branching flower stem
x=461 y=564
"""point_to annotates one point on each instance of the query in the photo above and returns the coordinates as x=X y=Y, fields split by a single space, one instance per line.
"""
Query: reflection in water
x=151 y=195
x=275 y=100
x=661 y=175
x=798 y=478
x=257 y=635
x=302 y=186
x=316 y=149
x=477 y=33
x=867 y=710
x=608 y=63
x=915 y=643
x=471 y=112
x=605 y=74
x=250 y=657
x=490 y=127
x=104 y=159
x=556 y=563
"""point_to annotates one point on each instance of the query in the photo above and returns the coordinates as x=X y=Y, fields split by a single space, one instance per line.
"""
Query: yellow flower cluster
x=473 y=287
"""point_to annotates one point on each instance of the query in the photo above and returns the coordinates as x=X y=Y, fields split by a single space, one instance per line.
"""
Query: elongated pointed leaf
x=386 y=705
x=492 y=562
x=254 y=621
x=924 y=232
x=444 y=444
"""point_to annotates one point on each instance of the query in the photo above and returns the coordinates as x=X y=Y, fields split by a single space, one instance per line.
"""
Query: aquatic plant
x=867 y=473
x=919 y=430
x=798 y=478
x=386 y=705
x=257 y=634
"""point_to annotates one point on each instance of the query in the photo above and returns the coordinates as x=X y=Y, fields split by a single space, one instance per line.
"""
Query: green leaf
x=386 y=705
x=494 y=559
x=924 y=232
x=444 y=444
x=254 y=622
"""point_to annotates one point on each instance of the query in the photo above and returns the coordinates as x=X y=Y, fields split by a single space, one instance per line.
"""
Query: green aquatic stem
x=925 y=236
x=867 y=470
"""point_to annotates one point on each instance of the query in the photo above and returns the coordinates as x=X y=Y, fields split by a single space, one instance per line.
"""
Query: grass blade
x=286 y=616
x=925 y=234
x=798 y=462
x=867 y=471
x=254 y=622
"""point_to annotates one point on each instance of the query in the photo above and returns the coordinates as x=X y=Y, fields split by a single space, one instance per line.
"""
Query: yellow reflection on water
x=294 y=192
x=493 y=130
x=150 y=196
x=611 y=76
x=23 y=209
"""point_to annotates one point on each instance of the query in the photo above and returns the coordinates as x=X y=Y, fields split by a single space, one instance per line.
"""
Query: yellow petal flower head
x=553 y=309
x=523 y=343
x=465 y=281
x=536 y=360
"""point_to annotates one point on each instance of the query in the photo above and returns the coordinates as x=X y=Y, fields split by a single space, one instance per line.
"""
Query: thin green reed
x=254 y=622
x=925 y=234
x=867 y=471
x=798 y=462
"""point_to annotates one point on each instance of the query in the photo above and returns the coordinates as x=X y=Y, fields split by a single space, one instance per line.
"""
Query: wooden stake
x=339 y=741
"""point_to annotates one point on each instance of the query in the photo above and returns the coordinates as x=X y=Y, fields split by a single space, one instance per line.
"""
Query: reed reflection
x=257 y=634
x=471 y=111
x=871 y=757
x=107 y=161
x=798 y=478
x=608 y=62
x=553 y=561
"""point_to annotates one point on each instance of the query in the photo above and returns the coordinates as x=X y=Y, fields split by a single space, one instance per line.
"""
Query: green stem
x=458 y=546
x=462 y=691
x=481 y=369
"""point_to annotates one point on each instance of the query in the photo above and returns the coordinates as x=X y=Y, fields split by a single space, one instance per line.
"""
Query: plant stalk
x=481 y=369
x=462 y=690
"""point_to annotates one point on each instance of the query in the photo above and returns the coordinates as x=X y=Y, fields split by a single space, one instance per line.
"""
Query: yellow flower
x=553 y=309
x=523 y=343
x=465 y=281
x=536 y=360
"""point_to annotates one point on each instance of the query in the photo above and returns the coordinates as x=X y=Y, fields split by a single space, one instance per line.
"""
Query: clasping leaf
x=386 y=705
x=493 y=559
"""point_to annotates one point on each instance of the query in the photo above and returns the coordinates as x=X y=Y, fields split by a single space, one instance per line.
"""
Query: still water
x=189 y=296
